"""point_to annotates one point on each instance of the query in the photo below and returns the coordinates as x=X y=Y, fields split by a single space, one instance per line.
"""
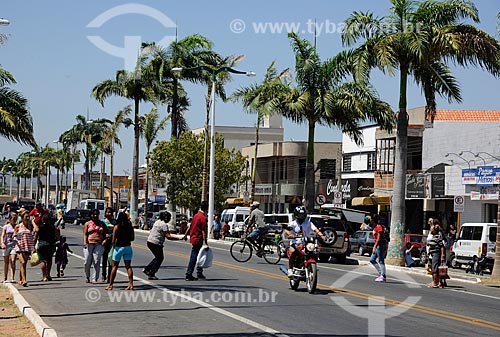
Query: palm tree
x=137 y=86
x=88 y=132
x=15 y=119
x=71 y=139
x=323 y=96
x=111 y=138
x=261 y=99
x=189 y=52
x=151 y=126
x=417 y=39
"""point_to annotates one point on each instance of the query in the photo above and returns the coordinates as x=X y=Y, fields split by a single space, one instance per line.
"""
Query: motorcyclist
x=298 y=230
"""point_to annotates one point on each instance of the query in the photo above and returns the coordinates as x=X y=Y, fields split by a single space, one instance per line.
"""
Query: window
x=370 y=161
x=346 y=163
x=493 y=234
x=302 y=170
x=477 y=234
x=240 y=217
x=283 y=170
x=466 y=233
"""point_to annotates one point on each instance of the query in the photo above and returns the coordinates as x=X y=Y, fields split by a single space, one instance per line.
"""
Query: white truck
x=76 y=196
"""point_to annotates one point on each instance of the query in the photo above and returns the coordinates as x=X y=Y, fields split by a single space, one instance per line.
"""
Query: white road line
x=221 y=311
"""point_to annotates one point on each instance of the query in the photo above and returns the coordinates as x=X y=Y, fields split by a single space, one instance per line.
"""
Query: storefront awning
x=371 y=201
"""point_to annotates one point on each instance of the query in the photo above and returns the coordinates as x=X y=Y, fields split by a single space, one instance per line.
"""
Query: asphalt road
x=254 y=298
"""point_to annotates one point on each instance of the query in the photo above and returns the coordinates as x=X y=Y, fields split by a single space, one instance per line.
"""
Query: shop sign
x=469 y=177
x=486 y=175
x=437 y=186
x=415 y=186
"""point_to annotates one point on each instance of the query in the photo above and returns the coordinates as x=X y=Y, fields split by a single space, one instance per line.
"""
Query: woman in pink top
x=93 y=245
x=8 y=245
x=25 y=244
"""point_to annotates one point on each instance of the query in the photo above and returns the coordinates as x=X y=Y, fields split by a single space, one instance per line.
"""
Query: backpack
x=386 y=234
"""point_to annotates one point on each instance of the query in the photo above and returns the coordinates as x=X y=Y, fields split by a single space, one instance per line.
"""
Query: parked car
x=362 y=242
x=417 y=241
x=475 y=239
x=333 y=227
x=76 y=216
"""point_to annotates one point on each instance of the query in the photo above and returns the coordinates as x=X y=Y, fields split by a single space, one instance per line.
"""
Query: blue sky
x=56 y=65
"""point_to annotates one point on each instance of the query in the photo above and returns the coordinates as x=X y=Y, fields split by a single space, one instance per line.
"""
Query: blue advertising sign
x=486 y=175
x=469 y=177
x=482 y=176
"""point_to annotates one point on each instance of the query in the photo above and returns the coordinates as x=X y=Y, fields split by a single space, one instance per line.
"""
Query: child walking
x=62 y=250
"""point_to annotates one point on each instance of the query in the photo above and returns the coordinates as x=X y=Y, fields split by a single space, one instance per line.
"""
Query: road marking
x=221 y=311
x=353 y=293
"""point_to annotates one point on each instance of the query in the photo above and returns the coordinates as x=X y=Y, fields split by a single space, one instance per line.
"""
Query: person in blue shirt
x=109 y=221
x=216 y=227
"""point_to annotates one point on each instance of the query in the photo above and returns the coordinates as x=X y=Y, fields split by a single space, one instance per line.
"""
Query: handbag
x=443 y=272
x=205 y=257
x=34 y=259
x=110 y=255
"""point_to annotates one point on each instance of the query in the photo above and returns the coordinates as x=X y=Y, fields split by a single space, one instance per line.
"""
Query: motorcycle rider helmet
x=300 y=214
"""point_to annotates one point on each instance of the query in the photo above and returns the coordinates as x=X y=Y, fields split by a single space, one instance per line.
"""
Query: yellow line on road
x=352 y=293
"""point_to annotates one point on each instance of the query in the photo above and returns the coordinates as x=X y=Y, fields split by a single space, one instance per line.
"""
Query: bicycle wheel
x=241 y=251
x=272 y=252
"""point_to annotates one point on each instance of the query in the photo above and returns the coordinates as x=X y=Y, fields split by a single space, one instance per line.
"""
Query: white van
x=235 y=218
x=475 y=239
x=90 y=204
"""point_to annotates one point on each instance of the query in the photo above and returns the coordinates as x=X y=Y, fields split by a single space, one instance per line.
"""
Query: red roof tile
x=468 y=115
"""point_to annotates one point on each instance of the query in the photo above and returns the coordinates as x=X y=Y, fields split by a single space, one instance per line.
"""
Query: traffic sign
x=320 y=199
x=458 y=203
x=337 y=197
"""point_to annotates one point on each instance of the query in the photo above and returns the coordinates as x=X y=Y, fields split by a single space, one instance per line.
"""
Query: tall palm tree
x=188 y=52
x=89 y=133
x=136 y=85
x=15 y=119
x=151 y=126
x=324 y=96
x=111 y=139
x=71 y=139
x=261 y=100
x=417 y=39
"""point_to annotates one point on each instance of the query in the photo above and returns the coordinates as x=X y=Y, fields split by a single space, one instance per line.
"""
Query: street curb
x=25 y=308
x=453 y=276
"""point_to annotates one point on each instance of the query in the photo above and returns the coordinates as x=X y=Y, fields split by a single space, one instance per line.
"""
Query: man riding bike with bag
x=299 y=230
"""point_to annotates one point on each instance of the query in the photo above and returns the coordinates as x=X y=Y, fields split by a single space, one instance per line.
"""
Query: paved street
x=254 y=299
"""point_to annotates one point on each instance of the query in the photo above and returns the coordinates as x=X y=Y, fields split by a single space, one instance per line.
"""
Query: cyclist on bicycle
x=298 y=230
x=256 y=220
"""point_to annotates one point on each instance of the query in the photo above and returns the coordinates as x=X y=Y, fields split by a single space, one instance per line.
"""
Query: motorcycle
x=305 y=266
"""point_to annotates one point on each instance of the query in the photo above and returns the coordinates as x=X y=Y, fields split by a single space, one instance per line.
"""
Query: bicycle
x=267 y=248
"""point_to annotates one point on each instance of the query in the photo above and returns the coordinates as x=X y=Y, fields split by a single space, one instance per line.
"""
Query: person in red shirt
x=378 y=253
x=198 y=234
x=37 y=213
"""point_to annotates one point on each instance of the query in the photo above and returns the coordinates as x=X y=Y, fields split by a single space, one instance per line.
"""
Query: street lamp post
x=475 y=155
x=211 y=186
x=57 y=175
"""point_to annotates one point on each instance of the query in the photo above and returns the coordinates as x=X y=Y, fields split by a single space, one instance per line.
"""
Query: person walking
x=155 y=243
x=216 y=227
x=109 y=222
x=94 y=241
x=198 y=237
x=8 y=245
x=123 y=235
x=437 y=253
x=379 y=248
x=62 y=250
x=24 y=244
x=46 y=236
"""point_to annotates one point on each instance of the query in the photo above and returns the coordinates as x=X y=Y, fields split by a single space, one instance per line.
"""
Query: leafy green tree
x=324 y=96
x=151 y=126
x=15 y=119
x=138 y=86
x=418 y=39
x=261 y=100
x=182 y=160
x=70 y=140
